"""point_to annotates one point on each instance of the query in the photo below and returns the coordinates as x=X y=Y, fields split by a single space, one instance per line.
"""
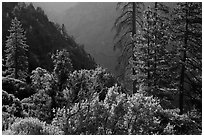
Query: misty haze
x=101 y=68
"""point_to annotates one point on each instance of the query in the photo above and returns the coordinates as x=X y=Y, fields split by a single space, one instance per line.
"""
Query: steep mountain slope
x=91 y=24
x=43 y=37
x=54 y=9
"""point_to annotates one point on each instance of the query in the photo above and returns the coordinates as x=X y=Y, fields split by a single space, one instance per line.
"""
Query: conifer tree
x=16 y=51
x=127 y=26
x=187 y=32
x=158 y=38
x=154 y=39
x=62 y=67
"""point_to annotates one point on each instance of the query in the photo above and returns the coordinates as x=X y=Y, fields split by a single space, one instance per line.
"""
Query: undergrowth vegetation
x=96 y=104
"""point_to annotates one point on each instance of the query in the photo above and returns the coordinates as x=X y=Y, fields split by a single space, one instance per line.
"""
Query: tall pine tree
x=154 y=39
x=16 y=51
x=127 y=26
x=187 y=32
x=158 y=35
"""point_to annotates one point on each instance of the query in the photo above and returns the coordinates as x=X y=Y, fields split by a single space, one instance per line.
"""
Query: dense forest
x=52 y=86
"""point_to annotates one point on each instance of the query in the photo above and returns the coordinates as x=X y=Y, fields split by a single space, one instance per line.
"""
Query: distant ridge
x=91 y=24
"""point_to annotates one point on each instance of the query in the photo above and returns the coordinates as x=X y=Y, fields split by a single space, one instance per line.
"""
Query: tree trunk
x=183 y=64
x=133 y=33
x=16 y=57
x=53 y=106
x=155 y=48
x=148 y=53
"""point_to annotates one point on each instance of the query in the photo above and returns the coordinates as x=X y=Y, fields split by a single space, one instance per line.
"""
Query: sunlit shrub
x=182 y=124
x=32 y=126
x=7 y=120
x=81 y=83
x=41 y=79
x=120 y=113
x=108 y=117
x=8 y=132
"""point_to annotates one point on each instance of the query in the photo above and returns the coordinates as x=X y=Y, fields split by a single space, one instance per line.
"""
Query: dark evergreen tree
x=156 y=58
x=127 y=26
x=156 y=38
x=62 y=67
x=17 y=51
x=187 y=32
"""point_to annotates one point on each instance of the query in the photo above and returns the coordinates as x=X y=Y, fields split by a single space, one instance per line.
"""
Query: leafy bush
x=16 y=87
x=41 y=79
x=8 y=132
x=82 y=82
x=11 y=104
x=7 y=99
x=182 y=124
x=38 y=105
x=121 y=114
x=91 y=103
x=44 y=99
x=7 y=120
x=32 y=126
